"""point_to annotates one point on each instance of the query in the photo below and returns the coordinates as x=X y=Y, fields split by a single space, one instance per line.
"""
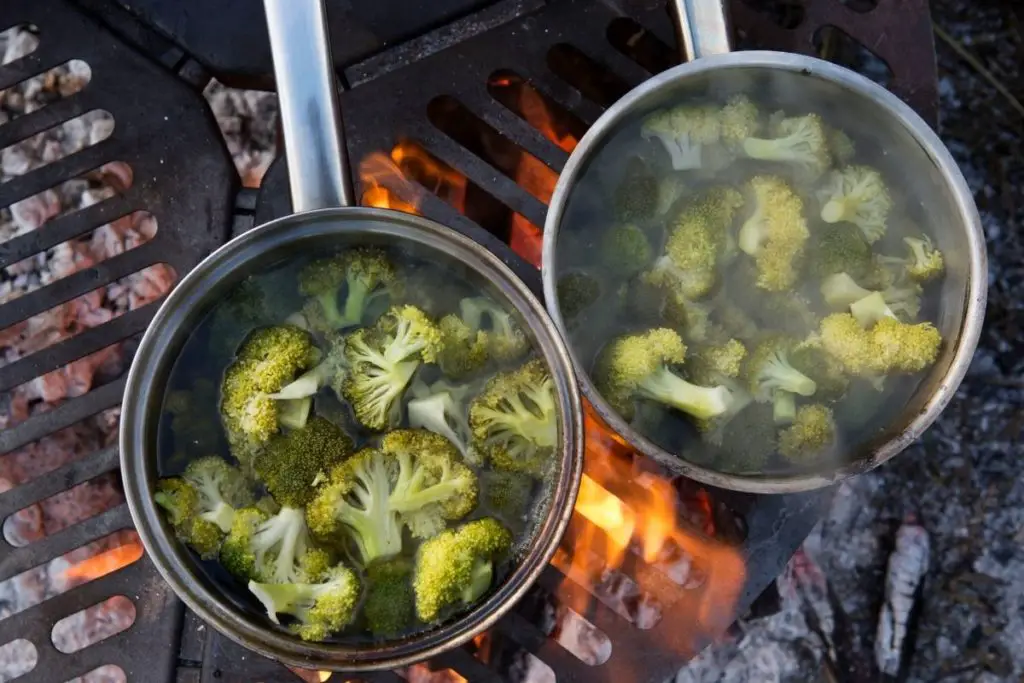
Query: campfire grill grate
x=184 y=178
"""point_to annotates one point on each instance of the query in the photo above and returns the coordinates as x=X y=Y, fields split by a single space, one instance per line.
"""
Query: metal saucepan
x=320 y=188
x=927 y=171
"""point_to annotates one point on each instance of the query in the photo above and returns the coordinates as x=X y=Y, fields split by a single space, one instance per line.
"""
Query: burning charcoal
x=903 y=582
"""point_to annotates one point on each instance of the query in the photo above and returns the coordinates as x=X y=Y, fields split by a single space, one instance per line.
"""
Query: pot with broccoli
x=762 y=287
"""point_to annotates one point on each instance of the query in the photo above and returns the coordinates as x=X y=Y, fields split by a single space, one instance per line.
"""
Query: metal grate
x=184 y=177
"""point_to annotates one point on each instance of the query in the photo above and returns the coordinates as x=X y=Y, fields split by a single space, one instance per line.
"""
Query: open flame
x=107 y=562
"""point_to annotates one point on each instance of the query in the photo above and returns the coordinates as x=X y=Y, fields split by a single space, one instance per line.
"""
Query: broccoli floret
x=858 y=195
x=848 y=342
x=506 y=340
x=799 y=140
x=697 y=241
x=290 y=463
x=749 y=441
x=577 y=292
x=684 y=132
x=770 y=375
x=812 y=430
x=715 y=363
x=812 y=359
x=330 y=370
x=514 y=420
x=366 y=273
x=508 y=495
x=382 y=361
x=776 y=233
x=838 y=249
x=904 y=347
x=625 y=250
x=390 y=605
x=320 y=608
x=441 y=408
x=222 y=489
x=180 y=500
x=735 y=321
x=841 y=146
x=740 y=120
x=463 y=351
x=636 y=197
x=841 y=291
x=267 y=361
x=637 y=366
x=272 y=548
x=689 y=318
x=456 y=567
x=922 y=264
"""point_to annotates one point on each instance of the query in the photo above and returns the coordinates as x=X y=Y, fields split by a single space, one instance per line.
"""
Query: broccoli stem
x=355 y=302
x=703 y=403
x=838 y=209
x=784 y=407
x=223 y=515
x=870 y=309
x=294 y=413
x=752 y=234
x=479 y=582
x=840 y=290
x=779 y=374
x=329 y=305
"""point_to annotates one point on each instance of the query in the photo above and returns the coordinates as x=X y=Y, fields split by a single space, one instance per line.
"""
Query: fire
x=104 y=563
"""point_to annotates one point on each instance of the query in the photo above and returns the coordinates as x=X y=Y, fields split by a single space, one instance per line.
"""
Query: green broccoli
x=463 y=351
x=740 y=120
x=290 y=463
x=848 y=342
x=415 y=478
x=838 y=248
x=272 y=548
x=812 y=359
x=636 y=196
x=390 y=606
x=508 y=495
x=442 y=408
x=692 y=319
x=923 y=264
x=735 y=321
x=800 y=140
x=858 y=195
x=506 y=340
x=625 y=250
x=637 y=366
x=697 y=241
x=321 y=606
x=577 y=291
x=841 y=146
x=770 y=375
x=719 y=364
x=456 y=567
x=514 y=420
x=180 y=501
x=685 y=132
x=365 y=273
x=841 y=291
x=267 y=361
x=775 y=234
x=749 y=442
x=885 y=347
x=330 y=370
x=812 y=431
x=382 y=360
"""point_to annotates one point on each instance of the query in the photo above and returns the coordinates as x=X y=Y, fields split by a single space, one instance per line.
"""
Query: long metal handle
x=308 y=100
x=702 y=27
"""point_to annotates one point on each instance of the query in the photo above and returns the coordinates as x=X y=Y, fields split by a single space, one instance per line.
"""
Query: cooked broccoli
x=506 y=340
x=838 y=249
x=625 y=250
x=812 y=359
x=415 y=478
x=268 y=360
x=272 y=548
x=841 y=146
x=689 y=318
x=858 y=195
x=390 y=606
x=577 y=291
x=749 y=441
x=719 y=364
x=770 y=375
x=180 y=501
x=887 y=346
x=799 y=140
x=321 y=606
x=463 y=350
x=735 y=321
x=812 y=430
x=848 y=342
x=514 y=420
x=697 y=241
x=290 y=463
x=508 y=495
x=365 y=272
x=788 y=312
x=740 y=120
x=637 y=366
x=330 y=370
x=441 y=408
x=456 y=567
x=684 y=132
x=636 y=197
x=923 y=263
x=382 y=361
x=776 y=233
x=841 y=291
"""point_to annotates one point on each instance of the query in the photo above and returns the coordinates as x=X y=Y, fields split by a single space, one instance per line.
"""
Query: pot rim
x=912 y=123
x=146 y=381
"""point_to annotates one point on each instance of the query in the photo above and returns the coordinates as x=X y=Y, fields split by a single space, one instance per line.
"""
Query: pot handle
x=314 y=140
x=702 y=28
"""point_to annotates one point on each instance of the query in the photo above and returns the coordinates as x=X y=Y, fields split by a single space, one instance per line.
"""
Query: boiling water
x=437 y=287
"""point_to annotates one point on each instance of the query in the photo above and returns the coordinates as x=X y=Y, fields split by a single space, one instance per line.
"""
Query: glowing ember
x=105 y=563
x=382 y=178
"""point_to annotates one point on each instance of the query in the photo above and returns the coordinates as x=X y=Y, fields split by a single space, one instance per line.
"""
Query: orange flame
x=104 y=563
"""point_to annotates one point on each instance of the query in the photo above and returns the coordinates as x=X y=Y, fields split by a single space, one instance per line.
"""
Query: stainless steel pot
x=952 y=219
x=319 y=188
